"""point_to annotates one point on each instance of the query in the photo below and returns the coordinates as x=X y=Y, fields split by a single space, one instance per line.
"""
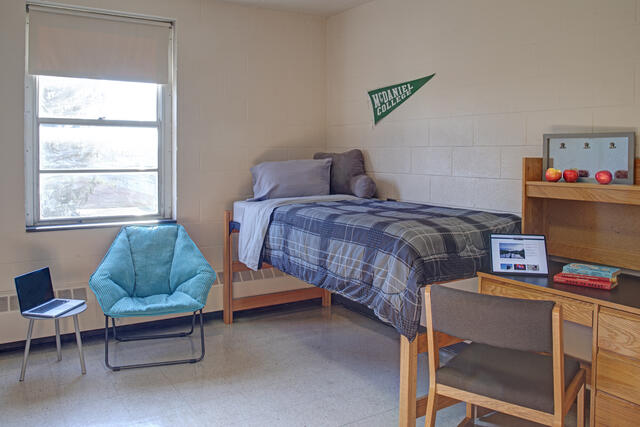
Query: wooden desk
x=614 y=317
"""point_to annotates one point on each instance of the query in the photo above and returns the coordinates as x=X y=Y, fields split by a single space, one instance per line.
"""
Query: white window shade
x=87 y=45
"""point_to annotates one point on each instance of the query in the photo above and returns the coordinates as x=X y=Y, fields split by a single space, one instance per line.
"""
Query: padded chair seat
x=177 y=302
x=513 y=376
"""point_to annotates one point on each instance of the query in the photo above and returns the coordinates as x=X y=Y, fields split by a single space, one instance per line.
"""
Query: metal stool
x=73 y=313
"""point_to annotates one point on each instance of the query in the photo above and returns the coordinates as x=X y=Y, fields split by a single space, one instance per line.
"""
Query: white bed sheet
x=238 y=210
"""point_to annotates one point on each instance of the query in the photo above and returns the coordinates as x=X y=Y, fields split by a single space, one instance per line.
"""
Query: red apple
x=570 y=175
x=604 y=177
x=553 y=175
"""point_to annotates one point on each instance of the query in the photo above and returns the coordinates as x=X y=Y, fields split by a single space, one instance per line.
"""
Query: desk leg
x=26 y=350
x=408 y=381
x=57 y=323
x=79 y=342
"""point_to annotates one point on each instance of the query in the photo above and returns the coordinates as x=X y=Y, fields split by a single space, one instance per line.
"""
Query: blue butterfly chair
x=152 y=271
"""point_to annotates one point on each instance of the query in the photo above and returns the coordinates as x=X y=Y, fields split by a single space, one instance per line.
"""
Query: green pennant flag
x=387 y=99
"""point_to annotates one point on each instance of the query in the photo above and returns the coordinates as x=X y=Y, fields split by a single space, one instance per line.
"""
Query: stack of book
x=588 y=275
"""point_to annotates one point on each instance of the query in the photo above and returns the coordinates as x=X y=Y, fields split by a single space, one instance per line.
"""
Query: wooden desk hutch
x=599 y=224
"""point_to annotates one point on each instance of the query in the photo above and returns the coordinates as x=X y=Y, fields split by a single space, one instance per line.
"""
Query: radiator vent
x=248 y=275
x=10 y=303
x=80 y=293
x=14 y=305
x=64 y=293
x=268 y=273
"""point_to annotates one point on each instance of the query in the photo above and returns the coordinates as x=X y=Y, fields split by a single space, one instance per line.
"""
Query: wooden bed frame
x=231 y=304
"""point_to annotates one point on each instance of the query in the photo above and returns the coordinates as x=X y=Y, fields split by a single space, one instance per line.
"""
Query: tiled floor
x=298 y=366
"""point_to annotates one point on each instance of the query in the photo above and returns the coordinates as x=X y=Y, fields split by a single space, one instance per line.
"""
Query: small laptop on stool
x=36 y=298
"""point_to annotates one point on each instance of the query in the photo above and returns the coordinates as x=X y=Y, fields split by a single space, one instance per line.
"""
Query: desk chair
x=515 y=364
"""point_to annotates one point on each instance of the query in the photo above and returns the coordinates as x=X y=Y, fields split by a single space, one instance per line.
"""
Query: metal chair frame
x=150 y=337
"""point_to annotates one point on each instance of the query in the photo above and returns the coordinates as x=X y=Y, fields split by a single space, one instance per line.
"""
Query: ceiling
x=318 y=7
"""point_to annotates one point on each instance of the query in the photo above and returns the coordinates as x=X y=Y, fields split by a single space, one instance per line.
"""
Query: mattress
x=238 y=210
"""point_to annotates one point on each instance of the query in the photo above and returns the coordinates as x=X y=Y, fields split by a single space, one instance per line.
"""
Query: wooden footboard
x=231 y=304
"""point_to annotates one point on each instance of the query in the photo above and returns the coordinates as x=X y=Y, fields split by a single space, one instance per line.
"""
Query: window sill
x=38 y=228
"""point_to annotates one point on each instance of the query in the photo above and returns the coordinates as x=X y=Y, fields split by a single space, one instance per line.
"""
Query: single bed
x=377 y=253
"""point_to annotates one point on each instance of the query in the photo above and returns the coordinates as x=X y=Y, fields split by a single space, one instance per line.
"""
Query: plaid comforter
x=380 y=253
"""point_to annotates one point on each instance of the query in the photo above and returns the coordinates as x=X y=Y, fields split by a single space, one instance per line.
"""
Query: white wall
x=251 y=87
x=507 y=72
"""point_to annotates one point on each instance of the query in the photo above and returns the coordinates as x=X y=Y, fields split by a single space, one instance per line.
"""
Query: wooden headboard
x=584 y=221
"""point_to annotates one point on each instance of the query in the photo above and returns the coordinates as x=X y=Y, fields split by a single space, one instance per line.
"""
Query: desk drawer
x=619 y=376
x=619 y=332
x=614 y=412
x=572 y=310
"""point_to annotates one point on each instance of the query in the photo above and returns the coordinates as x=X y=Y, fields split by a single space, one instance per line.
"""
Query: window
x=98 y=150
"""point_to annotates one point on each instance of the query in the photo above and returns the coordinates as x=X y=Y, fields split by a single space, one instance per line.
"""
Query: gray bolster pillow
x=362 y=186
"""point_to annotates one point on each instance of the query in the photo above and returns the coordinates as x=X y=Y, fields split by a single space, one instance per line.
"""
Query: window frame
x=166 y=167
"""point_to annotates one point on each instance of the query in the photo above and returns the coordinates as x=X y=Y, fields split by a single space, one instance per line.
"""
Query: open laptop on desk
x=36 y=298
x=519 y=254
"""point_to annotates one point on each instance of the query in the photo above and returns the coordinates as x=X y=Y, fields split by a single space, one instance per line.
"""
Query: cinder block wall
x=507 y=72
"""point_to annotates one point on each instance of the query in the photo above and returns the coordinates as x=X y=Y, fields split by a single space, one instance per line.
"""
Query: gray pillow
x=293 y=178
x=363 y=186
x=345 y=166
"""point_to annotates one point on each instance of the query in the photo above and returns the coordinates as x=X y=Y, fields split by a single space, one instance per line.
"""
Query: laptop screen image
x=519 y=254
x=34 y=288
